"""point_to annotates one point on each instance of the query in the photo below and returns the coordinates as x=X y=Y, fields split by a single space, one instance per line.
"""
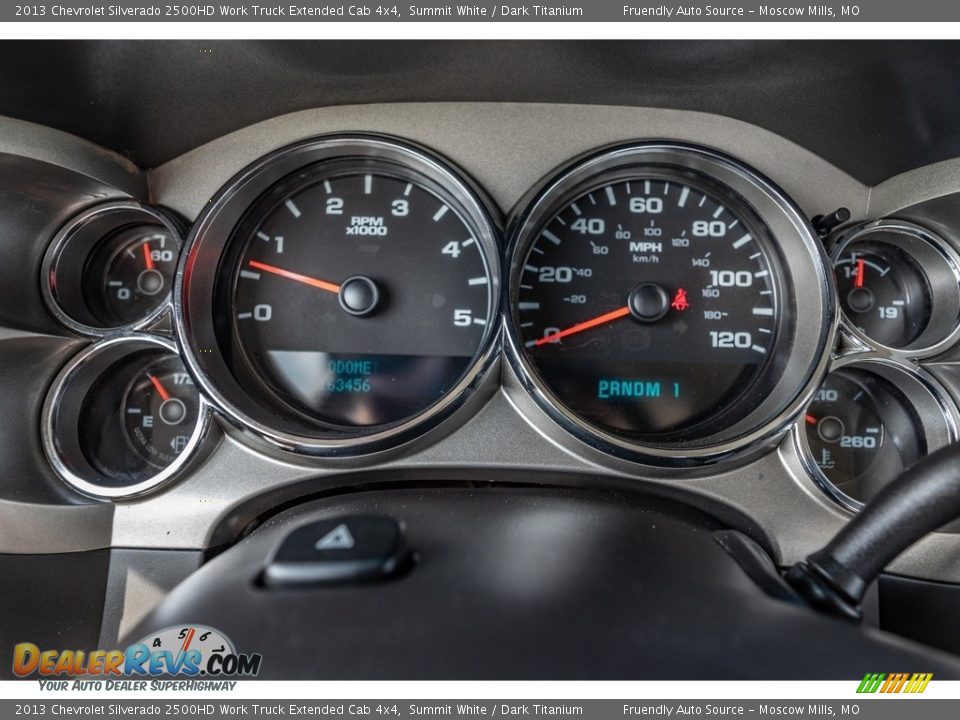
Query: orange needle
x=146 y=256
x=187 y=640
x=305 y=279
x=858 y=280
x=161 y=390
x=586 y=325
x=811 y=420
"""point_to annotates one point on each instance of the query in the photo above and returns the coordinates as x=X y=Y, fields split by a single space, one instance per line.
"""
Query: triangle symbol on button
x=337 y=539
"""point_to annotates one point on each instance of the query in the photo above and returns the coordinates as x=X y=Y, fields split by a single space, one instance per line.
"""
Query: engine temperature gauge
x=160 y=411
x=870 y=421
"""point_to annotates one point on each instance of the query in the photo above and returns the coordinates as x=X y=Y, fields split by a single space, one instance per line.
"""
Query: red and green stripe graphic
x=894 y=682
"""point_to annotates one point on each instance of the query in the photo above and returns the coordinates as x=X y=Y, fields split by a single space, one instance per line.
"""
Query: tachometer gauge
x=360 y=297
x=355 y=295
x=871 y=420
x=654 y=295
x=899 y=286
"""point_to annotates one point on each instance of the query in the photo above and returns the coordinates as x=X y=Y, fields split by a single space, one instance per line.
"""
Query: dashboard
x=469 y=293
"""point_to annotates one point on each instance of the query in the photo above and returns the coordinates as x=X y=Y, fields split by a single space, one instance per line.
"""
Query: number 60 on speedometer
x=652 y=302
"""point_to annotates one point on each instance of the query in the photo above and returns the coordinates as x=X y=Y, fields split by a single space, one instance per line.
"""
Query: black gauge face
x=862 y=432
x=130 y=274
x=649 y=306
x=883 y=292
x=138 y=418
x=359 y=297
x=160 y=411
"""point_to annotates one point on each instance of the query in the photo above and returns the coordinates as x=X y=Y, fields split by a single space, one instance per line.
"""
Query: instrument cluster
x=662 y=303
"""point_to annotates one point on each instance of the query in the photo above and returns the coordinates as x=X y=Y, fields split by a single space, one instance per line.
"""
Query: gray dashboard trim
x=509 y=147
x=914 y=187
x=34 y=528
x=59 y=148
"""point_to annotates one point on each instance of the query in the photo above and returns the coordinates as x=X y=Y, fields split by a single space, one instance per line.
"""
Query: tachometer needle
x=305 y=279
x=861 y=268
x=811 y=420
x=161 y=390
x=146 y=256
x=586 y=325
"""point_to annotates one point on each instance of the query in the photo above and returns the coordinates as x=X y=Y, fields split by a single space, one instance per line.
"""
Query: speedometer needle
x=305 y=279
x=586 y=325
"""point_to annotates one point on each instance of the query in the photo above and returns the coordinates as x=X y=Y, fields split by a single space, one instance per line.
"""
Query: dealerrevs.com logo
x=191 y=651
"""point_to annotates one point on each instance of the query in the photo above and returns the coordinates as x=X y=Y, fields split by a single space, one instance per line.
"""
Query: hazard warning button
x=358 y=548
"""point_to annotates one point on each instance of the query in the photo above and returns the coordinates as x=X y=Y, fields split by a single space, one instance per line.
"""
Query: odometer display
x=360 y=295
x=648 y=304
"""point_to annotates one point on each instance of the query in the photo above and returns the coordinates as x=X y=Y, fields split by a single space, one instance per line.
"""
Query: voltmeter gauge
x=899 y=286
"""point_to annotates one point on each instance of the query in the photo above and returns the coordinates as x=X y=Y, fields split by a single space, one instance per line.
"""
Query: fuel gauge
x=160 y=411
x=123 y=417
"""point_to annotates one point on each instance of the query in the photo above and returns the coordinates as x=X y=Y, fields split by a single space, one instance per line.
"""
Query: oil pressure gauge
x=111 y=268
x=132 y=273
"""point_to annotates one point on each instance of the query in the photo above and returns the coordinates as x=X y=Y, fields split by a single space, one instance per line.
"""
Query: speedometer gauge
x=354 y=287
x=700 y=309
x=654 y=299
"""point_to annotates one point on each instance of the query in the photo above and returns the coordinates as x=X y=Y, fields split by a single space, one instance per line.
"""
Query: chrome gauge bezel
x=809 y=284
x=930 y=399
x=200 y=263
x=75 y=242
x=71 y=386
x=940 y=263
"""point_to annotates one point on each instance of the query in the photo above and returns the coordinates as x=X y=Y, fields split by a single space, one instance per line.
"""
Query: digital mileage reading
x=648 y=305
